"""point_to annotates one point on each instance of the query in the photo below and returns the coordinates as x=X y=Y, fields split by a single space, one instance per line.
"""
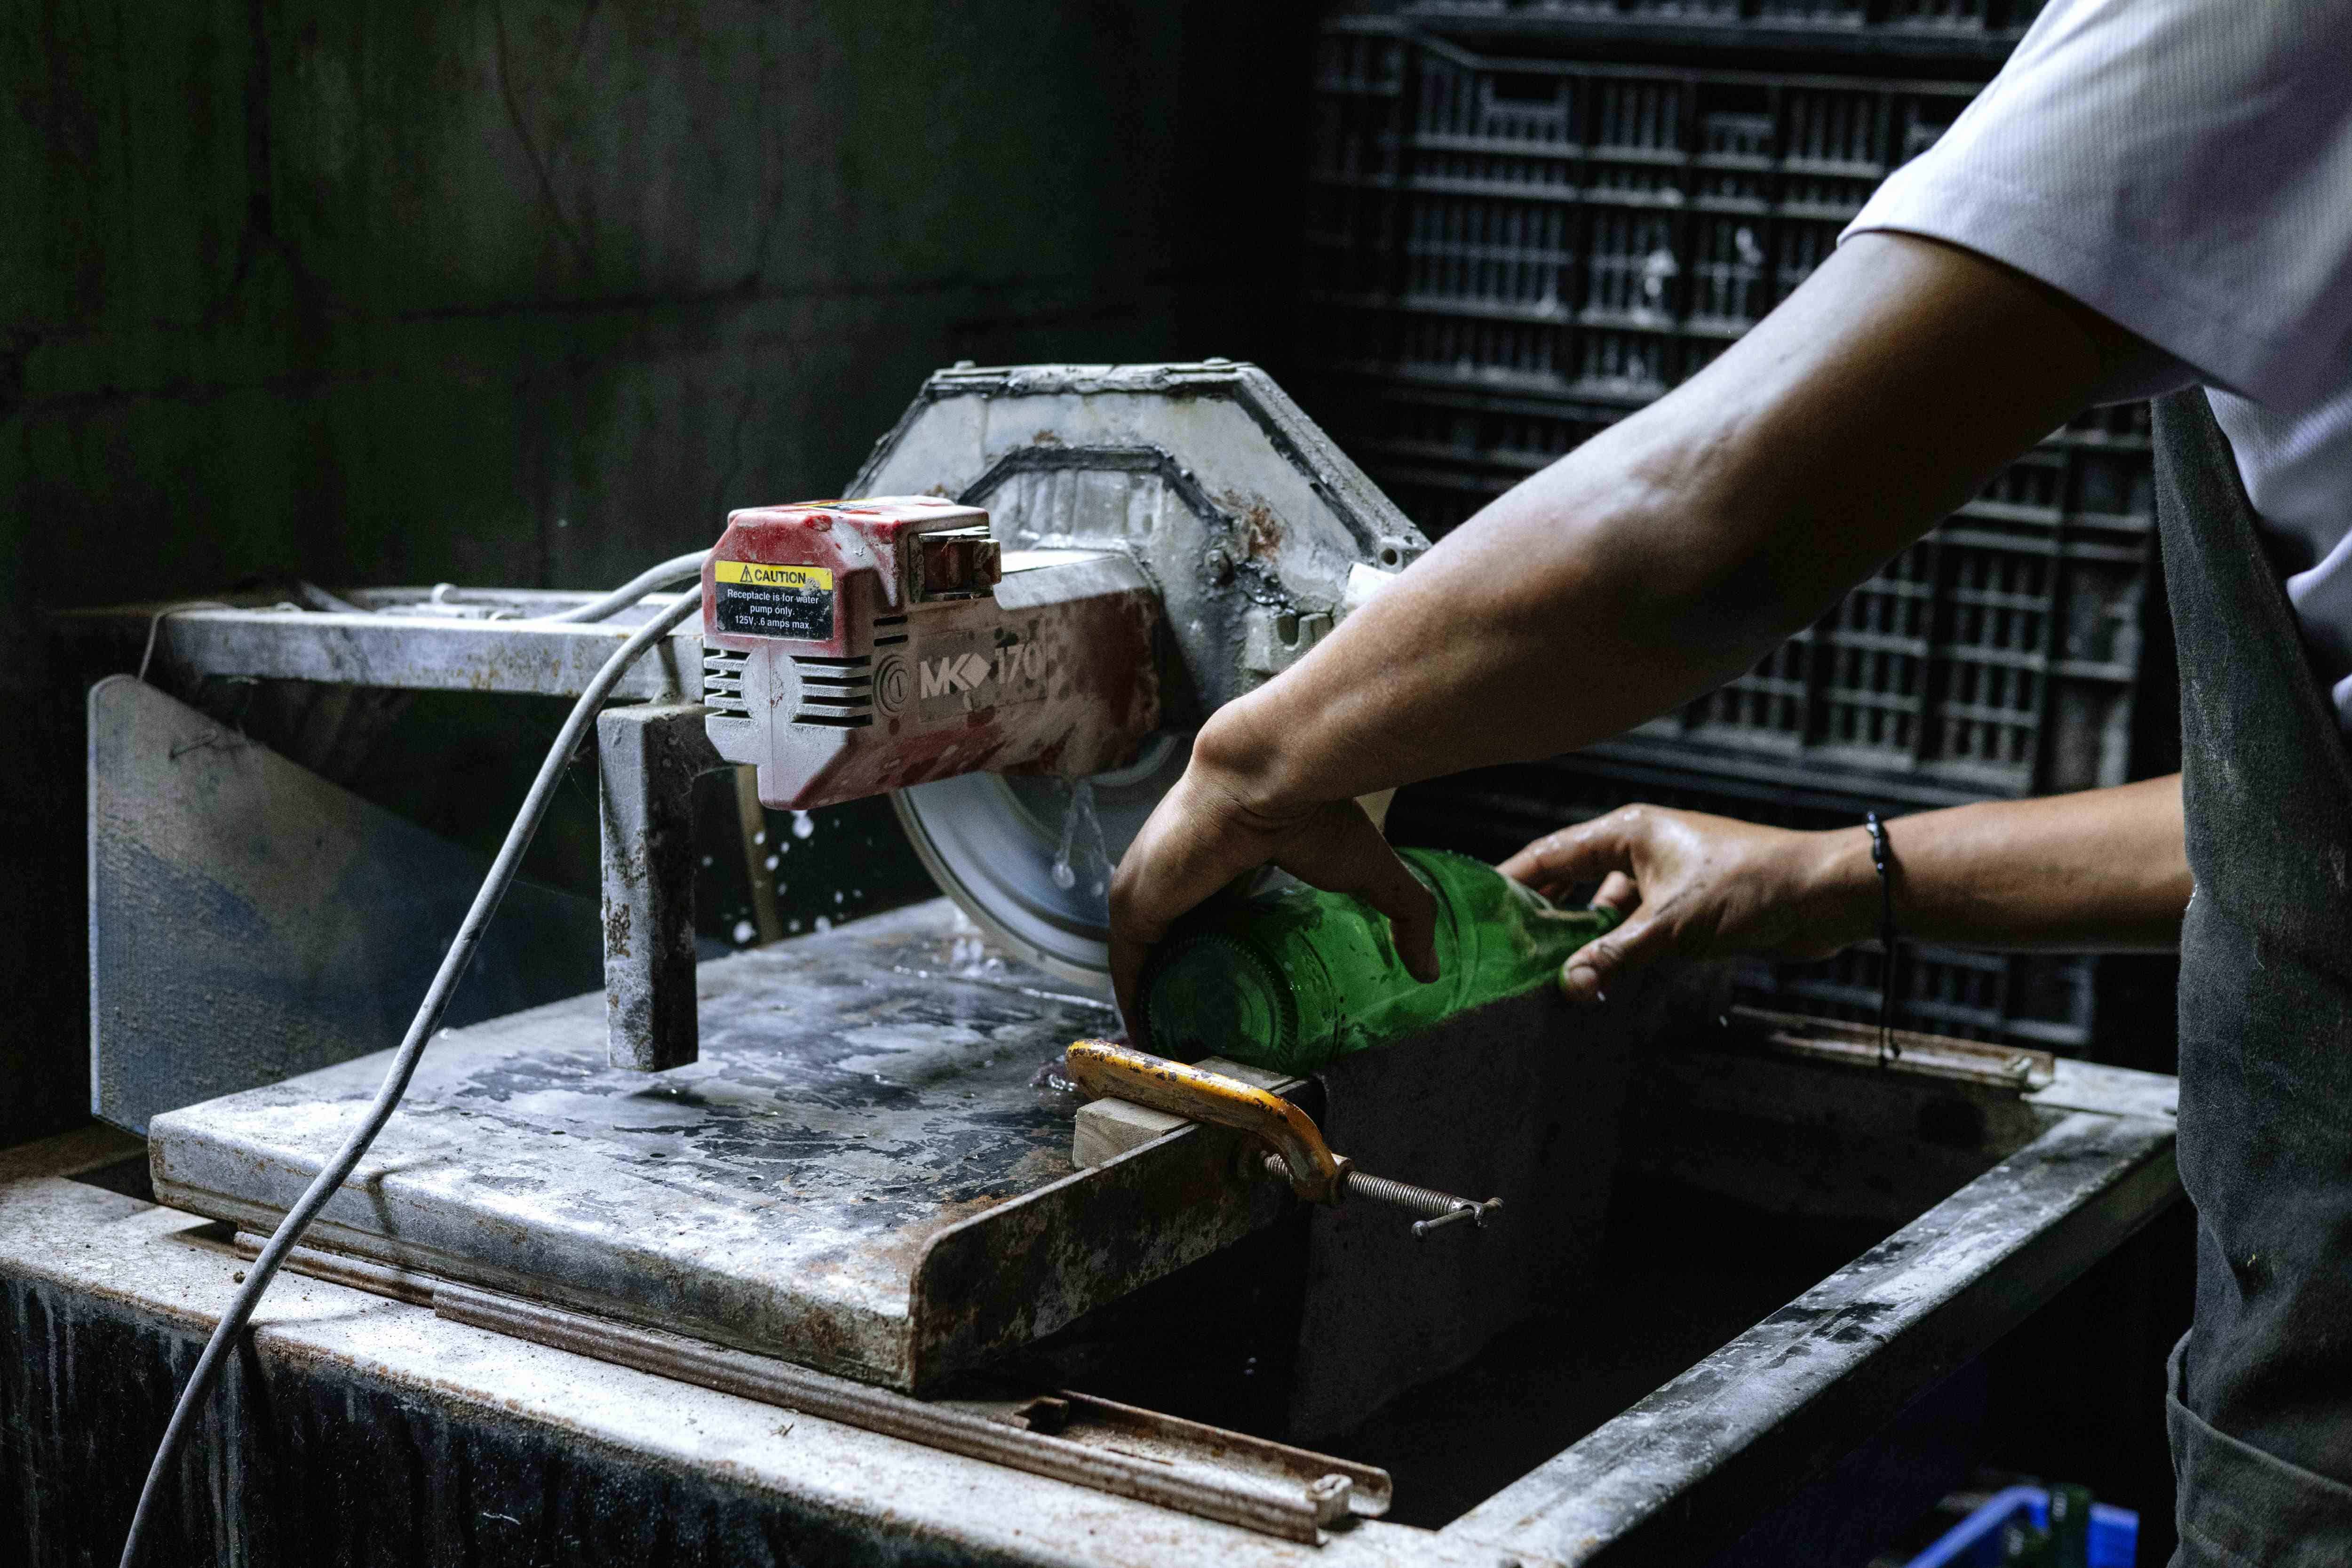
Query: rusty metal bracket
x=1831 y=1040
x=647 y=758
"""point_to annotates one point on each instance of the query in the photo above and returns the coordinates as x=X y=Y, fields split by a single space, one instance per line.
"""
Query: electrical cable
x=676 y=570
x=330 y=1177
x=155 y=624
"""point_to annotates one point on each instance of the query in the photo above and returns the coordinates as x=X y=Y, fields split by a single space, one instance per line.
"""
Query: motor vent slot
x=835 y=692
x=722 y=680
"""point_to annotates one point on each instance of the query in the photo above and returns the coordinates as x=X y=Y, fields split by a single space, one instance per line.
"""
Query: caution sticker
x=753 y=599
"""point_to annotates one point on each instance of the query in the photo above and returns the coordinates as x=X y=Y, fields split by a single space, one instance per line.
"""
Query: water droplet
x=772 y=862
x=802 y=826
x=761 y=836
x=823 y=923
x=744 y=932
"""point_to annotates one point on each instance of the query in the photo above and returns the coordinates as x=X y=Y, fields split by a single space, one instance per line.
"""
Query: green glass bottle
x=1289 y=980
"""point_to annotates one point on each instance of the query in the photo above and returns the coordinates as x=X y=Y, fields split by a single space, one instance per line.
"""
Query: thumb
x=1585 y=977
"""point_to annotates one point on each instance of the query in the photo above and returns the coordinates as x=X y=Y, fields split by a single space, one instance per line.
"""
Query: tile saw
x=839 y=1150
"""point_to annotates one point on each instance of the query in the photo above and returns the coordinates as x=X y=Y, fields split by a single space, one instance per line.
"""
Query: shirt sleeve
x=2183 y=167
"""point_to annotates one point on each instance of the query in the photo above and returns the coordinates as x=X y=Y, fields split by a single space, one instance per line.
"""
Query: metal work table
x=476 y=1449
x=867 y=1172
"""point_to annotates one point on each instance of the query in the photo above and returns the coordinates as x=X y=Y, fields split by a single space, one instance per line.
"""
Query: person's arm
x=1656 y=561
x=2103 y=871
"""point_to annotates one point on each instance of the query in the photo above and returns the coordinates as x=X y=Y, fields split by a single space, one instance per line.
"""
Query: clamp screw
x=1437 y=1208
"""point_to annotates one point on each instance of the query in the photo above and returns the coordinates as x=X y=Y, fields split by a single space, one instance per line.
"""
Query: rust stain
x=1255 y=528
x=617 y=932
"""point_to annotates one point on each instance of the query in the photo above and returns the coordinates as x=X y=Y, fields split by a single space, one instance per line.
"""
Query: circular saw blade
x=1029 y=857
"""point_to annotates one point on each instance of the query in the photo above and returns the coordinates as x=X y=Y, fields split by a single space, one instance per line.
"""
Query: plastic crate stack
x=1946 y=29
x=1509 y=252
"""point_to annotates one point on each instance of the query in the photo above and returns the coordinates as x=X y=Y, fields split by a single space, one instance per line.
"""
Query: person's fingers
x=1528 y=864
x=1340 y=851
x=1587 y=974
x=1618 y=892
x=1587 y=852
x=1193 y=842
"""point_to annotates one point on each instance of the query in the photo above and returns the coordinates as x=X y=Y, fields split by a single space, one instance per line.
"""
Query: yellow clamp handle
x=1121 y=1072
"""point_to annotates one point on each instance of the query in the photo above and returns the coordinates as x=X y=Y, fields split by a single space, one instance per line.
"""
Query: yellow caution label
x=759 y=574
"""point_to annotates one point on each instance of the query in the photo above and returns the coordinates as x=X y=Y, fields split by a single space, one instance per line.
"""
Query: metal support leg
x=647 y=758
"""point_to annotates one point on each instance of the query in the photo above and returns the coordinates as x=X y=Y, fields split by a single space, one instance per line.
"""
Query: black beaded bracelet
x=1882 y=861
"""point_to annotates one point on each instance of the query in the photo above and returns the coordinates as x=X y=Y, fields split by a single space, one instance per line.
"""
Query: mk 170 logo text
x=970 y=671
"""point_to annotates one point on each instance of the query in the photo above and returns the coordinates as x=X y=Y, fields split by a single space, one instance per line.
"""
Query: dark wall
x=530 y=294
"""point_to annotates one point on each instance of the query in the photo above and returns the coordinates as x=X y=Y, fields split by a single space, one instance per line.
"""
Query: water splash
x=1053 y=1074
x=1082 y=843
x=1064 y=875
x=968 y=957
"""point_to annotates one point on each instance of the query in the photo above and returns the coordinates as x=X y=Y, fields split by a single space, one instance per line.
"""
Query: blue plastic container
x=1975 y=1541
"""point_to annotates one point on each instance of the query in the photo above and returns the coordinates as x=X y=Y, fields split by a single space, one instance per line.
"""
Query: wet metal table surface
x=865 y=1171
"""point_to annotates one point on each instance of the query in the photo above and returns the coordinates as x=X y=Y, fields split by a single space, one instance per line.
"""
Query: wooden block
x=1108 y=1128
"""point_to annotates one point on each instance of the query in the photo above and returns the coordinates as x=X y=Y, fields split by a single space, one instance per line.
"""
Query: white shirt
x=2184 y=168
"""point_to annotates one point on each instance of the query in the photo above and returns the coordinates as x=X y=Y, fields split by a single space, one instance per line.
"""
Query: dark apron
x=2261 y=1412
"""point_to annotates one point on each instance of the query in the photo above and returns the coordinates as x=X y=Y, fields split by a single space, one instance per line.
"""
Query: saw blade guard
x=1253 y=535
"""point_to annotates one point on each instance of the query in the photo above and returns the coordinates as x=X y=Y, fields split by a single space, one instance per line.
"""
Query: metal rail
x=1270 y=1488
x=395 y=640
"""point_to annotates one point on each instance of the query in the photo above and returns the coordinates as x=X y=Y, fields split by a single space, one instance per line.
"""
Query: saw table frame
x=110 y=1297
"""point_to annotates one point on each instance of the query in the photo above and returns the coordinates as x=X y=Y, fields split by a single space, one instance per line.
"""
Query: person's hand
x=1703 y=887
x=1208 y=831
